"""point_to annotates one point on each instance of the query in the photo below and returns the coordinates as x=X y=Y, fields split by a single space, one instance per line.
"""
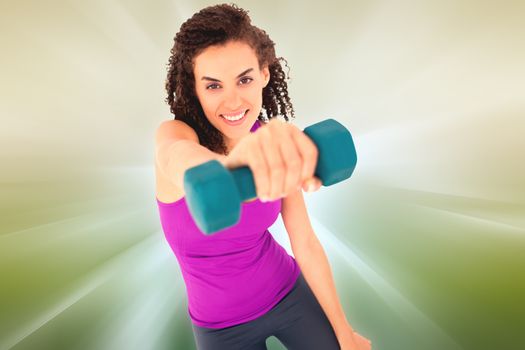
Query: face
x=229 y=84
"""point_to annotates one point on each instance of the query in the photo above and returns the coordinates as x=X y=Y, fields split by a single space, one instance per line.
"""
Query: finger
x=319 y=183
x=308 y=151
x=275 y=163
x=293 y=161
x=363 y=341
x=312 y=184
x=308 y=185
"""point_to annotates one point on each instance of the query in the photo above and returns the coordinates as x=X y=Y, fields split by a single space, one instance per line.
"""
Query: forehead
x=225 y=60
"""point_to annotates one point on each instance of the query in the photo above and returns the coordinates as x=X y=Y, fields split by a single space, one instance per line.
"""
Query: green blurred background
x=426 y=241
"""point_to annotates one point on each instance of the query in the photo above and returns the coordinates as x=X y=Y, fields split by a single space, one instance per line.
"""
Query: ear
x=266 y=75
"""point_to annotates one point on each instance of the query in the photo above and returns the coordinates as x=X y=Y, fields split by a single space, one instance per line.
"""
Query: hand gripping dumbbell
x=214 y=193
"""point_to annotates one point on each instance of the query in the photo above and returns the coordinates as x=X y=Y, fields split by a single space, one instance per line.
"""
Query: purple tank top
x=236 y=274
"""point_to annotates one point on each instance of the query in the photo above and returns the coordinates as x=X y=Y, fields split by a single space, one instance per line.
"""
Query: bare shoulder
x=175 y=129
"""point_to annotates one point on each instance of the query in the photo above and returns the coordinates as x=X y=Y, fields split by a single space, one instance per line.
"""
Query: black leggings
x=298 y=321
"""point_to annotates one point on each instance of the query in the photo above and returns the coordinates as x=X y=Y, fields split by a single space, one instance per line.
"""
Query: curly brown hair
x=217 y=25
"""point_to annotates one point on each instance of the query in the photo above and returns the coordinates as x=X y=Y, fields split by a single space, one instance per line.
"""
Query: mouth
x=234 y=119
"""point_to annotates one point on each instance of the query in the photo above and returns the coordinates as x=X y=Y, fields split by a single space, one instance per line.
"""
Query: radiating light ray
x=426 y=125
x=380 y=139
x=476 y=218
x=183 y=10
x=433 y=154
x=145 y=316
x=142 y=323
x=392 y=297
x=451 y=76
x=509 y=215
x=458 y=61
x=80 y=289
x=144 y=320
x=78 y=223
x=124 y=29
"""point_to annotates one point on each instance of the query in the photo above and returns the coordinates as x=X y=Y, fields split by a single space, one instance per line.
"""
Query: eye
x=212 y=87
x=246 y=80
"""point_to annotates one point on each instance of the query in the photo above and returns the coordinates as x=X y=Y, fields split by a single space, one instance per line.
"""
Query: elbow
x=306 y=249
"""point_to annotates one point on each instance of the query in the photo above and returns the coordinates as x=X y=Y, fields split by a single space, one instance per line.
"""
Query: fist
x=281 y=157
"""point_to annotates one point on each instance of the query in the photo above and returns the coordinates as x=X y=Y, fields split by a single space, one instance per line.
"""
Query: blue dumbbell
x=214 y=193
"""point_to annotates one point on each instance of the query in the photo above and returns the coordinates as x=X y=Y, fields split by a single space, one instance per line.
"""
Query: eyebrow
x=217 y=80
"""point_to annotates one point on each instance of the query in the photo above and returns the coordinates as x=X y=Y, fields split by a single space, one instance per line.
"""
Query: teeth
x=234 y=117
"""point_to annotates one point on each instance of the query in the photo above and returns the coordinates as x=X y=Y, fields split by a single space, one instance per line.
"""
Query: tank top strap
x=256 y=125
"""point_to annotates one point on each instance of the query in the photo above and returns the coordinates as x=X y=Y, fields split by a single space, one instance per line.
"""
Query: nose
x=233 y=100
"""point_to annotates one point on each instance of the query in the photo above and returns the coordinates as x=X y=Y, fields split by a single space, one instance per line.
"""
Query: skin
x=232 y=93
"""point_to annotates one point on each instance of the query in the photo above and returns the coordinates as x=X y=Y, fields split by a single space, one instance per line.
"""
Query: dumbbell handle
x=346 y=155
x=243 y=178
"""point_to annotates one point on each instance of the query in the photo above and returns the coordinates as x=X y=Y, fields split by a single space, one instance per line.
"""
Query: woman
x=241 y=284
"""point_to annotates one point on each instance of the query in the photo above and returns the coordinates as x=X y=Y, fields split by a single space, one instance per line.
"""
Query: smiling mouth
x=235 y=117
